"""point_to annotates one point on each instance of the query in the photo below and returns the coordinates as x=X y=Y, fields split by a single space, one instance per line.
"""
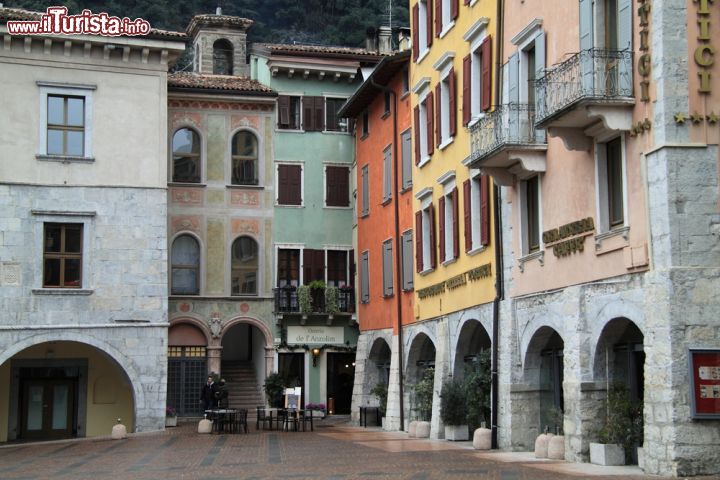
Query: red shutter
x=486 y=52
x=467 y=214
x=452 y=103
x=456 y=223
x=438 y=115
x=416 y=112
x=454 y=9
x=418 y=242
x=308 y=120
x=283 y=186
x=429 y=104
x=319 y=113
x=438 y=17
x=429 y=21
x=441 y=224
x=283 y=110
x=433 y=252
x=467 y=90
x=485 y=210
x=415 y=32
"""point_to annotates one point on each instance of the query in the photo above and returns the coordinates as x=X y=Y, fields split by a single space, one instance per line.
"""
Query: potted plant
x=274 y=387
x=380 y=391
x=304 y=300
x=622 y=432
x=170 y=417
x=317 y=294
x=332 y=295
x=477 y=384
x=453 y=410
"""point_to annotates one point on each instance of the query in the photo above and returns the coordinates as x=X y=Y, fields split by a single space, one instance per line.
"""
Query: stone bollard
x=422 y=430
x=118 y=431
x=556 y=448
x=205 y=426
x=482 y=439
x=412 y=429
x=541 y=445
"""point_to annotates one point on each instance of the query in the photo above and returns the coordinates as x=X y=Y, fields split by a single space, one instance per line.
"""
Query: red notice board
x=705 y=383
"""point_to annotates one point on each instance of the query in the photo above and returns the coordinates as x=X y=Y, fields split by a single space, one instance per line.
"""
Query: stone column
x=392 y=413
x=358 y=395
x=214 y=353
x=442 y=370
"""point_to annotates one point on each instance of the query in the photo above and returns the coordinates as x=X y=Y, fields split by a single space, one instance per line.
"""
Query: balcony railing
x=599 y=75
x=509 y=125
x=322 y=300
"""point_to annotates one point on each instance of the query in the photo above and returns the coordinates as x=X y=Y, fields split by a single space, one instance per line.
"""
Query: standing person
x=221 y=394
x=207 y=394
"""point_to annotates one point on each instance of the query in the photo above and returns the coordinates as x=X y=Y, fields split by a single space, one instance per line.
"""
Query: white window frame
x=447 y=22
x=525 y=41
x=287 y=246
x=475 y=212
x=426 y=201
x=448 y=183
x=423 y=34
x=475 y=36
x=302 y=183
x=340 y=248
x=601 y=199
x=333 y=97
x=300 y=117
x=62 y=89
x=444 y=66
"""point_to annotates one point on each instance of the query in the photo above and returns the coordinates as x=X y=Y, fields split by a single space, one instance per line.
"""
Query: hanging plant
x=304 y=299
x=331 y=300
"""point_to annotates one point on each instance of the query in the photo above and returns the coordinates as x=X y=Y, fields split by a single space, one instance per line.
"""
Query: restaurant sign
x=315 y=335
x=477 y=273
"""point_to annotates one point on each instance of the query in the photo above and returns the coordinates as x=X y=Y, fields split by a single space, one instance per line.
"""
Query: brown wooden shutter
x=485 y=210
x=438 y=17
x=416 y=32
x=308 y=120
x=283 y=186
x=416 y=112
x=441 y=224
x=454 y=9
x=313 y=265
x=294 y=176
x=467 y=214
x=467 y=90
x=283 y=110
x=433 y=252
x=486 y=52
x=456 y=223
x=343 y=186
x=418 y=242
x=438 y=115
x=429 y=21
x=319 y=112
x=351 y=261
x=452 y=103
x=429 y=104
x=330 y=186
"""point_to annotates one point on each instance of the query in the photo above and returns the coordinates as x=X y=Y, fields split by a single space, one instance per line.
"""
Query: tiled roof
x=21 y=14
x=230 y=83
x=292 y=48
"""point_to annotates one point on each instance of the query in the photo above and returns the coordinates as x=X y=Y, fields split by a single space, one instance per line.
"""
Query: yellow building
x=452 y=79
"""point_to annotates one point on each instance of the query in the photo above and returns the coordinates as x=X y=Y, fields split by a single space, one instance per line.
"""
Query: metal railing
x=511 y=124
x=287 y=301
x=598 y=74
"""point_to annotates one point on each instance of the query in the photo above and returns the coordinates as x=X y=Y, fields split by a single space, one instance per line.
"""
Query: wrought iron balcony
x=319 y=301
x=592 y=77
x=506 y=142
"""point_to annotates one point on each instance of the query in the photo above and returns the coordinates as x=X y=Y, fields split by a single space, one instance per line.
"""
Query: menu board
x=705 y=383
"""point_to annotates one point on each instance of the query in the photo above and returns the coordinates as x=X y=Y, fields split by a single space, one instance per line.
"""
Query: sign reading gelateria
x=317 y=334
x=565 y=247
x=483 y=271
x=705 y=51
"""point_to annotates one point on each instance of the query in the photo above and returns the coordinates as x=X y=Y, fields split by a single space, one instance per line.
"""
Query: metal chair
x=240 y=421
x=262 y=418
x=291 y=418
x=307 y=416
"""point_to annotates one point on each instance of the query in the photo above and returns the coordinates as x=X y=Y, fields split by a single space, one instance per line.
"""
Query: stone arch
x=606 y=314
x=531 y=328
x=253 y=322
x=223 y=57
x=471 y=339
x=380 y=353
x=412 y=333
x=612 y=356
x=195 y=322
x=126 y=365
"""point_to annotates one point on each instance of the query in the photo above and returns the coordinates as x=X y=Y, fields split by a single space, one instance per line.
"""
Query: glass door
x=48 y=409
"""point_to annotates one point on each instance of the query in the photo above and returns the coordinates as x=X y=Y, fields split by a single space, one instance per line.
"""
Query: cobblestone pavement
x=337 y=452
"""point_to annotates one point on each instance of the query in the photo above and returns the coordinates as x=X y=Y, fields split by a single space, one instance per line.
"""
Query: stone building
x=312 y=245
x=83 y=256
x=220 y=218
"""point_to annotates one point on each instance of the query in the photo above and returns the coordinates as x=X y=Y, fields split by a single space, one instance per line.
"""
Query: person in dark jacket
x=207 y=394
x=221 y=394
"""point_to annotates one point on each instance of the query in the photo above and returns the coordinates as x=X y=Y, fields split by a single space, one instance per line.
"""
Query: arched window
x=244 y=266
x=222 y=57
x=244 y=159
x=186 y=156
x=185 y=266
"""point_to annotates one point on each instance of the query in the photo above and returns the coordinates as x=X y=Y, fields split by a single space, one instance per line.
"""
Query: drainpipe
x=398 y=240
x=499 y=294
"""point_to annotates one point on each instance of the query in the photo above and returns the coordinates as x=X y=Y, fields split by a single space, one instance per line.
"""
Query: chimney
x=370 y=39
x=404 y=39
x=384 y=40
x=218 y=10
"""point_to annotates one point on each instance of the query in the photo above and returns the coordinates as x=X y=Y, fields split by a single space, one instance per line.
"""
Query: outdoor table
x=223 y=419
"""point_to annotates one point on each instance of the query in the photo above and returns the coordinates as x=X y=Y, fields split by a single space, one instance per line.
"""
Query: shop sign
x=565 y=247
x=705 y=51
x=477 y=273
x=705 y=383
x=298 y=335
x=645 y=60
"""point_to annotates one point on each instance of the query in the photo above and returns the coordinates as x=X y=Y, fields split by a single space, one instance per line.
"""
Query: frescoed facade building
x=381 y=111
x=83 y=256
x=220 y=220
x=452 y=79
x=313 y=275
x=605 y=144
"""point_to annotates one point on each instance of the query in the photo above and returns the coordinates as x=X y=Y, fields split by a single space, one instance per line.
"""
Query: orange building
x=385 y=262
